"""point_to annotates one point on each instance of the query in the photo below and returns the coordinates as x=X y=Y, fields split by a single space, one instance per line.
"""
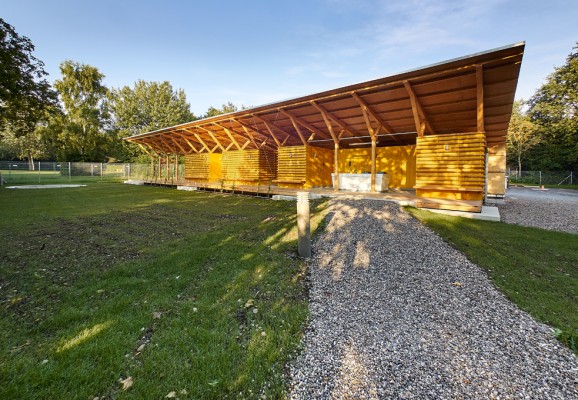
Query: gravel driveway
x=553 y=209
x=395 y=312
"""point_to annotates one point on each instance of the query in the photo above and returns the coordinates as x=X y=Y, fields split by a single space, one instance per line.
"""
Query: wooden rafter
x=421 y=121
x=175 y=141
x=297 y=129
x=268 y=129
x=187 y=141
x=480 y=97
x=212 y=135
x=332 y=117
x=363 y=104
x=143 y=148
x=201 y=141
x=304 y=124
x=286 y=133
x=330 y=128
x=249 y=127
x=244 y=135
x=228 y=132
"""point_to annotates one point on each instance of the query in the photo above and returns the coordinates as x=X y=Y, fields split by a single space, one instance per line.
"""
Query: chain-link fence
x=558 y=178
x=46 y=172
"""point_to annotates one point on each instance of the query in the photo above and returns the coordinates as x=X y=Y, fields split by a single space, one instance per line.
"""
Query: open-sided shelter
x=440 y=130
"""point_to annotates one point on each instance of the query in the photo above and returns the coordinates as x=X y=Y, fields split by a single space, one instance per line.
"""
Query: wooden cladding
x=292 y=165
x=249 y=165
x=304 y=167
x=398 y=162
x=451 y=166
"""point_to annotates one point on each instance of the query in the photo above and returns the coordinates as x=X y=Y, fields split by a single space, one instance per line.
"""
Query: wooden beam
x=340 y=123
x=364 y=106
x=214 y=138
x=186 y=139
x=373 y=162
x=269 y=129
x=297 y=129
x=480 y=97
x=257 y=130
x=421 y=121
x=143 y=149
x=330 y=128
x=248 y=142
x=336 y=165
x=179 y=145
x=228 y=132
x=246 y=135
x=202 y=142
x=304 y=124
x=283 y=131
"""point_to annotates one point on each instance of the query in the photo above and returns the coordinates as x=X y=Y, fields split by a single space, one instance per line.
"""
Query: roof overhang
x=468 y=94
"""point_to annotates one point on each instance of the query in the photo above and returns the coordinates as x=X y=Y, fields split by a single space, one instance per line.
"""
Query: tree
x=146 y=107
x=554 y=110
x=225 y=109
x=86 y=115
x=521 y=134
x=25 y=97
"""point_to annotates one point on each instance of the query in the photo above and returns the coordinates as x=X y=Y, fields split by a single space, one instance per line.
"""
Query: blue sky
x=255 y=52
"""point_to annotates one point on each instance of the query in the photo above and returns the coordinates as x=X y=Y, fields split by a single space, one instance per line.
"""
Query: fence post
x=69 y=172
x=101 y=171
x=571 y=172
x=540 y=178
x=38 y=171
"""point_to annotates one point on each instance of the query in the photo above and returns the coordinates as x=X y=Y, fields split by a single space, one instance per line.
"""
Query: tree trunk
x=30 y=162
x=519 y=164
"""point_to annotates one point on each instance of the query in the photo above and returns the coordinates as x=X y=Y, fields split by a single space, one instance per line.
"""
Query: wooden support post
x=336 y=169
x=177 y=168
x=373 y=156
x=160 y=167
x=168 y=161
x=152 y=167
x=480 y=97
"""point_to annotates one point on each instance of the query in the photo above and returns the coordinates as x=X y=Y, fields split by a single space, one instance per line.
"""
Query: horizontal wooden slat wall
x=291 y=166
x=197 y=167
x=319 y=167
x=249 y=166
x=451 y=166
x=398 y=161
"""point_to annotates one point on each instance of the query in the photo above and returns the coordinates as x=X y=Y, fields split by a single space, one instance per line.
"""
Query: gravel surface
x=395 y=312
x=553 y=209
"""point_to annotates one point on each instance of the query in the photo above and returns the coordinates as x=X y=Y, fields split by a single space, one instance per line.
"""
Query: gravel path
x=395 y=312
x=553 y=209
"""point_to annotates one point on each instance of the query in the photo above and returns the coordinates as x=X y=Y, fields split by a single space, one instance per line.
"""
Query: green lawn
x=535 y=268
x=195 y=293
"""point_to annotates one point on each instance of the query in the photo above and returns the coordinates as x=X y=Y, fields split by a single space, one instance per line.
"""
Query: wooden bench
x=449 y=189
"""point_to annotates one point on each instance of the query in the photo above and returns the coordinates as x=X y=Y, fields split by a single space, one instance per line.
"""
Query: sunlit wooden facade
x=440 y=130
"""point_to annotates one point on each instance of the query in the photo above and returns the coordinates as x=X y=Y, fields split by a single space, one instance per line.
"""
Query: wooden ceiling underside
x=470 y=94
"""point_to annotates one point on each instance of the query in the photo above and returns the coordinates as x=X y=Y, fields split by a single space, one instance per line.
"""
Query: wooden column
x=336 y=161
x=168 y=166
x=152 y=167
x=373 y=156
x=160 y=167
x=177 y=168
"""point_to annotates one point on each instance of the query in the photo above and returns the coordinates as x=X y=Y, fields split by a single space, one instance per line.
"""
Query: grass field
x=535 y=268
x=117 y=291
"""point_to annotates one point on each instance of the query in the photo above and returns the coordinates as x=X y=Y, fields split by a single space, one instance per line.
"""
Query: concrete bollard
x=303 y=226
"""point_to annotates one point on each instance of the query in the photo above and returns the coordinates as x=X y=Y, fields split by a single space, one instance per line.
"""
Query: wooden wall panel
x=497 y=169
x=291 y=166
x=398 y=161
x=451 y=166
x=248 y=166
x=197 y=167
x=320 y=165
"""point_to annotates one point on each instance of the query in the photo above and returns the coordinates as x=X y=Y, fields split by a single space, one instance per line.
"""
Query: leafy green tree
x=522 y=135
x=554 y=110
x=83 y=130
x=146 y=107
x=225 y=109
x=25 y=96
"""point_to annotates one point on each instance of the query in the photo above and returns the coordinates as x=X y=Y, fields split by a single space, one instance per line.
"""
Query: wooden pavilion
x=440 y=130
